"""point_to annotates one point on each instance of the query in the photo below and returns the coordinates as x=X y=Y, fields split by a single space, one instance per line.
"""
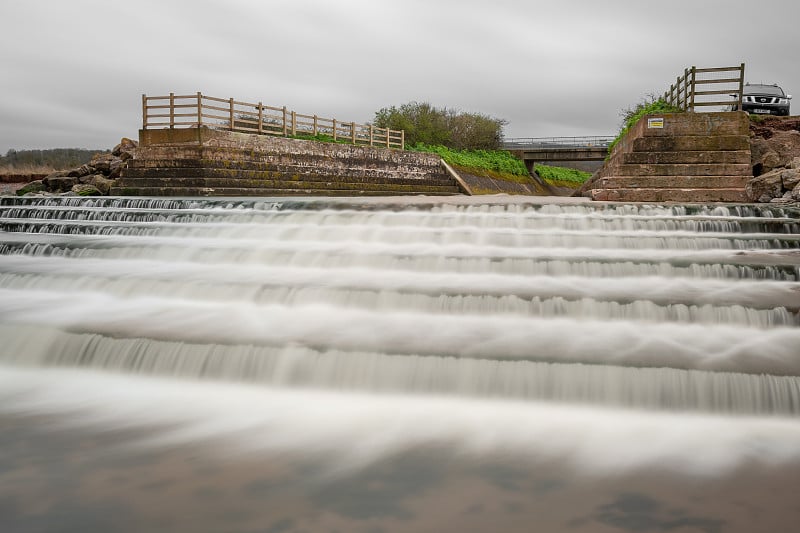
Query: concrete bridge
x=558 y=149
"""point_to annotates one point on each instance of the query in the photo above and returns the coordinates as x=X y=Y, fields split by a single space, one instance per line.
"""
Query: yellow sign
x=655 y=123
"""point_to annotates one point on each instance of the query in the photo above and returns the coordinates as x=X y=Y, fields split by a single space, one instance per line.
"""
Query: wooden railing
x=687 y=92
x=199 y=110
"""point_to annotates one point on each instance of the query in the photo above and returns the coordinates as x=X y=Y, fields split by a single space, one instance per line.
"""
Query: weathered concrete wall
x=202 y=161
x=206 y=162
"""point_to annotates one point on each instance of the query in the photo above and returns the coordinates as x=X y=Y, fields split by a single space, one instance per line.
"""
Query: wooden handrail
x=199 y=110
x=685 y=91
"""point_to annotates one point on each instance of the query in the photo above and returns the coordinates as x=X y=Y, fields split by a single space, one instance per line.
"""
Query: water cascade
x=427 y=310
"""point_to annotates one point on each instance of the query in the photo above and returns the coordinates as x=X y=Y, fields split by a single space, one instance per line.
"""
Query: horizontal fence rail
x=200 y=110
x=518 y=143
x=704 y=87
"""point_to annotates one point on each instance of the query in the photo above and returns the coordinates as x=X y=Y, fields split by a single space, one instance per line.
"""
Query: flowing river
x=377 y=366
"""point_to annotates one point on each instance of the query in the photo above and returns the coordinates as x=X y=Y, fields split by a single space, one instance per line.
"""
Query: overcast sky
x=73 y=71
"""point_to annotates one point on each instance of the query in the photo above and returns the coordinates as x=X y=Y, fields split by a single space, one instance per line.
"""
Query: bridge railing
x=518 y=143
x=199 y=110
x=688 y=91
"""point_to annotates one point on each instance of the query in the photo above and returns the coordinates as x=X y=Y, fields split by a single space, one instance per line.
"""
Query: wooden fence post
x=231 y=106
x=315 y=125
x=199 y=109
x=285 y=132
x=388 y=132
x=694 y=78
x=741 y=86
x=334 y=129
x=685 y=104
x=144 y=112
x=402 y=139
x=353 y=132
x=171 y=110
x=294 y=124
x=371 y=133
x=260 y=118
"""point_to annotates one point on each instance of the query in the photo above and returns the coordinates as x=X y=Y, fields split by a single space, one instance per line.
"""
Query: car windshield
x=763 y=89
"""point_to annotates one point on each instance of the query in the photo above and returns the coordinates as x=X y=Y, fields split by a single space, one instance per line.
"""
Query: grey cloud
x=74 y=71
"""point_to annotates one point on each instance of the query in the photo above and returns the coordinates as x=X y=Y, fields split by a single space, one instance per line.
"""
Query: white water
x=617 y=338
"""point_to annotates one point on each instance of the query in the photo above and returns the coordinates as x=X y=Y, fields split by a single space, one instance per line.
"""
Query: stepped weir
x=613 y=340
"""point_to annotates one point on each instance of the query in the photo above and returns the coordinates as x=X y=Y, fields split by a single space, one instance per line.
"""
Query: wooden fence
x=687 y=92
x=199 y=110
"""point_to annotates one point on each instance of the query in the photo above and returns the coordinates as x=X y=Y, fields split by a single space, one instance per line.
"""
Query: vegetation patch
x=562 y=177
x=499 y=164
x=649 y=106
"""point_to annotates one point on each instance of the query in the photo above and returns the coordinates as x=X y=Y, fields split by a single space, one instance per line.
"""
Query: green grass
x=647 y=107
x=569 y=177
x=497 y=161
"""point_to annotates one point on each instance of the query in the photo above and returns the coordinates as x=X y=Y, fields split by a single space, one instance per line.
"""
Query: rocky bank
x=95 y=178
x=775 y=155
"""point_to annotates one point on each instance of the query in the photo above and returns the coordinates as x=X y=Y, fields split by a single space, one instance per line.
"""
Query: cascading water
x=610 y=339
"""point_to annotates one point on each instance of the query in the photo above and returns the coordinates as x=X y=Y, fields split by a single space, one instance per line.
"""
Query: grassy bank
x=562 y=177
x=497 y=164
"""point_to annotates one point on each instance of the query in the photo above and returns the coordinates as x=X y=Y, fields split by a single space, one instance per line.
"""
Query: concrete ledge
x=669 y=195
x=673 y=182
x=671 y=158
x=710 y=169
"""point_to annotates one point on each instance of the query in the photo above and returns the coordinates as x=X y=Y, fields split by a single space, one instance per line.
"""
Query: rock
x=100 y=182
x=796 y=193
x=125 y=149
x=58 y=182
x=83 y=170
x=116 y=168
x=102 y=162
x=84 y=189
x=795 y=163
x=32 y=187
x=790 y=178
x=765 y=187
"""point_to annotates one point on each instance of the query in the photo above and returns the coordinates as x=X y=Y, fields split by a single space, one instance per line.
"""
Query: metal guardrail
x=564 y=143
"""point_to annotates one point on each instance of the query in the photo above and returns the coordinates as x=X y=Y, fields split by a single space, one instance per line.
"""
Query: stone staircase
x=679 y=157
x=204 y=162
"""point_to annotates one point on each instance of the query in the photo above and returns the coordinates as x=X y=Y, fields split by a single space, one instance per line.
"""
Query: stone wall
x=207 y=162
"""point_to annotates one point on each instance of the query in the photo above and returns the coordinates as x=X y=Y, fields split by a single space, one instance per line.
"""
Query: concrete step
x=691 y=143
x=286 y=150
x=670 y=195
x=430 y=186
x=671 y=158
x=672 y=182
x=263 y=192
x=707 y=169
x=268 y=163
x=697 y=124
x=284 y=172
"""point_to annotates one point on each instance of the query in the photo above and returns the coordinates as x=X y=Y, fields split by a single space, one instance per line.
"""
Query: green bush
x=429 y=125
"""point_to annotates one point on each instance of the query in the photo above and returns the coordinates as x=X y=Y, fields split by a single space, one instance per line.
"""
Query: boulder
x=116 y=168
x=125 y=149
x=765 y=187
x=30 y=188
x=59 y=182
x=84 y=189
x=779 y=150
x=101 y=162
x=790 y=178
x=83 y=170
x=98 y=181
